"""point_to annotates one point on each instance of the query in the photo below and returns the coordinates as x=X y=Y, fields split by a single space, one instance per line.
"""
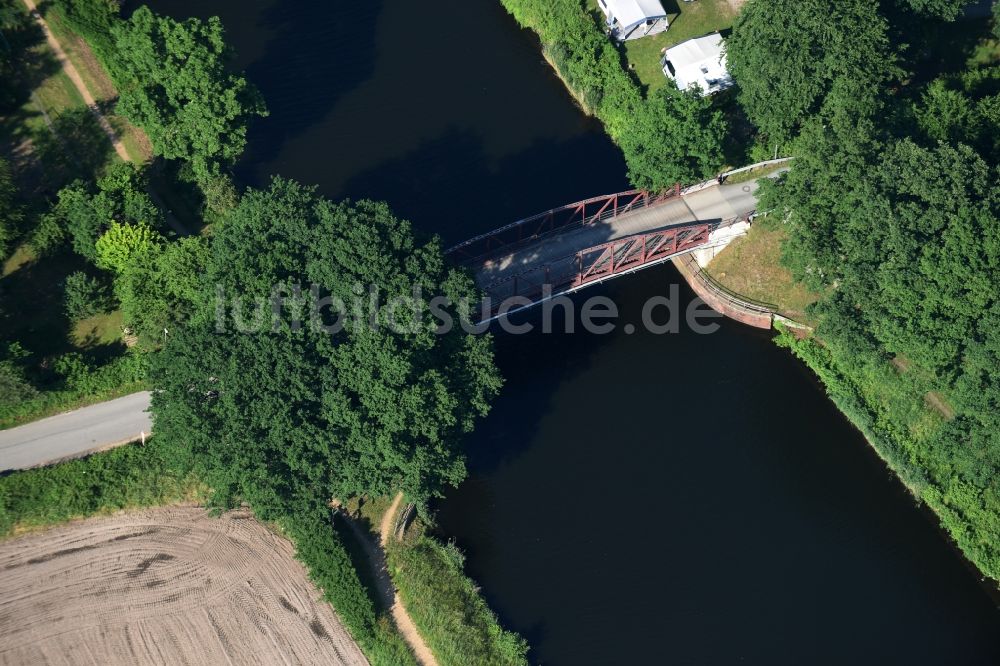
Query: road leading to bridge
x=75 y=433
x=118 y=421
x=556 y=250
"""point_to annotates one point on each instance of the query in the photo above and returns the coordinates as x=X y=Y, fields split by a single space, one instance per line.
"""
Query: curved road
x=76 y=433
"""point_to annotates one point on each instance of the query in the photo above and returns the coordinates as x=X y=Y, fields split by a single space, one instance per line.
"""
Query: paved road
x=712 y=204
x=74 y=433
x=118 y=421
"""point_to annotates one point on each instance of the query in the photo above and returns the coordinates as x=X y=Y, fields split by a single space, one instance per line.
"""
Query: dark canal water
x=688 y=499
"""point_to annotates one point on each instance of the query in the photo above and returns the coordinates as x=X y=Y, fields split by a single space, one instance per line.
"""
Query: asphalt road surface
x=75 y=433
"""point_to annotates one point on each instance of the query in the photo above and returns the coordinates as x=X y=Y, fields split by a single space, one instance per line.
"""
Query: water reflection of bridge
x=568 y=248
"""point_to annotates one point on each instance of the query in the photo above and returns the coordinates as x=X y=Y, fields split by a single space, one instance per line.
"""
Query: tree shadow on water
x=319 y=53
x=451 y=187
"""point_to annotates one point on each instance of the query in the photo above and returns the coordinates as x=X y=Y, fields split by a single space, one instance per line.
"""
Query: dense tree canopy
x=124 y=244
x=293 y=415
x=696 y=131
x=786 y=56
x=892 y=213
x=160 y=286
x=175 y=85
x=85 y=213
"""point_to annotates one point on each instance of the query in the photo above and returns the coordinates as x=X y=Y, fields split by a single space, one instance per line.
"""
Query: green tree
x=124 y=244
x=178 y=89
x=835 y=155
x=948 y=10
x=677 y=139
x=785 y=57
x=221 y=196
x=289 y=416
x=20 y=67
x=165 y=288
x=49 y=235
x=120 y=196
x=85 y=296
x=940 y=252
x=945 y=114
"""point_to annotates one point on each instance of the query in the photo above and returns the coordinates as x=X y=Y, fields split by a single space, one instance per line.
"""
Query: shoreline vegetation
x=445 y=604
x=910 y=413
x=667 y=136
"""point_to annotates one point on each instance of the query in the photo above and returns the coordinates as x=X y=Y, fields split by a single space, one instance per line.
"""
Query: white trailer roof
x=630 y=12
x=699 y=61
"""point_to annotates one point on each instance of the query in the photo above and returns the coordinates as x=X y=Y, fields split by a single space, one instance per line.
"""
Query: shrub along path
x=403 y=621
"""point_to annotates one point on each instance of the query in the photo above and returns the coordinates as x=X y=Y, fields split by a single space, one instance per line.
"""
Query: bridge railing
x=530 y=229
x=595 y=264
x=588 y=211
x=625 y=254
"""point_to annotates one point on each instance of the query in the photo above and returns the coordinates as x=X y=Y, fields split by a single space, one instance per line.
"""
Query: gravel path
x=404 y=623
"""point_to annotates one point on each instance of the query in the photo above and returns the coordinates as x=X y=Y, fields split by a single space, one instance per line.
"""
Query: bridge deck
x=556 y=251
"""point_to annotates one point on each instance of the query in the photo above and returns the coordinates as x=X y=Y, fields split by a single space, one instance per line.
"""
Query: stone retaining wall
x=723 y=303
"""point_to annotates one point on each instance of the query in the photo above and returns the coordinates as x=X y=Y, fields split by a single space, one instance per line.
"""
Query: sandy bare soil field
x=169 y=585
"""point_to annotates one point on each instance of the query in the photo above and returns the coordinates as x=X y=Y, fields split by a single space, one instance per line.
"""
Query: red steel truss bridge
x=574 y=246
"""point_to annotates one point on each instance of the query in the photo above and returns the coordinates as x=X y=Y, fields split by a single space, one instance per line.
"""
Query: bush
x=14 y=388
x=83 y=385
x=123 y=478
x=318 y=546
x=446 y=606
x=85 y=296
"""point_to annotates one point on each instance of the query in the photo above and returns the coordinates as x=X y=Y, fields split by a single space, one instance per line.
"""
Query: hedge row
x=447 y=608
x=121 y=376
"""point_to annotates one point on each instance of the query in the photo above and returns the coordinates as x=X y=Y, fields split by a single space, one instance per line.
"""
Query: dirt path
x=385 y=527
x=74 y=76
x=403 y=621
x=77 y=80
x=167 y=585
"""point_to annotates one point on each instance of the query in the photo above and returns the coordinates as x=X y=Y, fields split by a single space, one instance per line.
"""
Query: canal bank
x=703 y=538
x=965 y=504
